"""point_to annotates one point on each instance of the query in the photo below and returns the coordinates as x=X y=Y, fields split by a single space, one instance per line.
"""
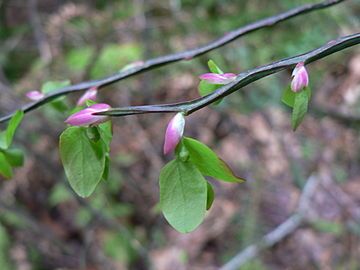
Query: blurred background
x=44 y=225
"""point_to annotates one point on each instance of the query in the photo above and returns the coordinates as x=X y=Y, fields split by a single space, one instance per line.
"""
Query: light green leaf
x=214 y=68
x=83 y=160
x=208 y=162
x=105 y=130
x=5 y=167
x=183 y=195
x=206 y=88
x=14 y=156
x=300 y=108
x=288 y=97
x=6 y=137
x=210 y=196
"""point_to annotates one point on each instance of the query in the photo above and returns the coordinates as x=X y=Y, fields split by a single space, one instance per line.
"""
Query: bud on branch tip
x=86 y=116
x=214 y=78
x=174 y=132
x=88 y=95
x=34 y=95
x=300 y=78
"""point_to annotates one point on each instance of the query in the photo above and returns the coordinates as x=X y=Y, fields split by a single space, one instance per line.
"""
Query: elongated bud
x=34 y=95
x=214 y=78
x=300 y=78
x=86 y=116
x=88 y=95
x=174 y=132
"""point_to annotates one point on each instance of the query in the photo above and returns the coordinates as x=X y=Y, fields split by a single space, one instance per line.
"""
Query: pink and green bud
x=34 y=95
x=214 y=78
x=174 y=132
x=300 y=78
x=86 y=116
x=88 y=95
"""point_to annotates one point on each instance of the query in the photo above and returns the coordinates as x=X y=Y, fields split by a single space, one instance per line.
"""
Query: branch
x=241 y=80
x=171 y=58
x=280 y=232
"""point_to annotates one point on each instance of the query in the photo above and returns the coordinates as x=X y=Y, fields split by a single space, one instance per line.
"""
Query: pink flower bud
x=214 y=78
x=34 y=95
x=88 y=95
x=86 y=117
x=174 y=132
x=300 y=78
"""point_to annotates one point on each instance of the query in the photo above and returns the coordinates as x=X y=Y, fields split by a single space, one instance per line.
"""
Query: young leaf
x=14 y=156
x=7 y=136
x=83 y=160
x=300 y=108
x=288 y=97
x=5 y=167
x=206 y=88
x=183 y=195
x=214 y=68
x=208 y=162
x=210 y=196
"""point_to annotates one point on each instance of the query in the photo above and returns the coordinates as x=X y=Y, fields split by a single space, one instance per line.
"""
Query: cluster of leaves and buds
x=185 y=194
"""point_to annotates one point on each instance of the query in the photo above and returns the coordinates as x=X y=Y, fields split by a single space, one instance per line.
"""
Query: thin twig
x=241 y=80
x=171 y=58
x=280 y=232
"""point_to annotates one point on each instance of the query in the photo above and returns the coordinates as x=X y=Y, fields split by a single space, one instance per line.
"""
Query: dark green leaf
x=208 y=162
x=83 y=160
x=105 y=175
x=14 y=156
x=300 y=108
x=93 y=133
x=5 y=167
x=183 y=195
x=7 y=136
x=210 y=196
x=214 y=68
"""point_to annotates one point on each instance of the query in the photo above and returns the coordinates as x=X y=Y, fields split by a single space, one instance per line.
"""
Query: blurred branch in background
x=283 y=230
x=40 y=37
x=185 y=55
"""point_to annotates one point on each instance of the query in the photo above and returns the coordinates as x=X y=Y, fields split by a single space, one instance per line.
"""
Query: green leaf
x=214 y=68
x=54 y=85
x=105 y=175
x=6 y=137
x=105 y=130
x=83 y=160
x=14 y=156
x=5 y=167
x=210 y=196
x=208 y=162
x=288 y=97
x=300 y=108
x=206 y=88
x=183 y=195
